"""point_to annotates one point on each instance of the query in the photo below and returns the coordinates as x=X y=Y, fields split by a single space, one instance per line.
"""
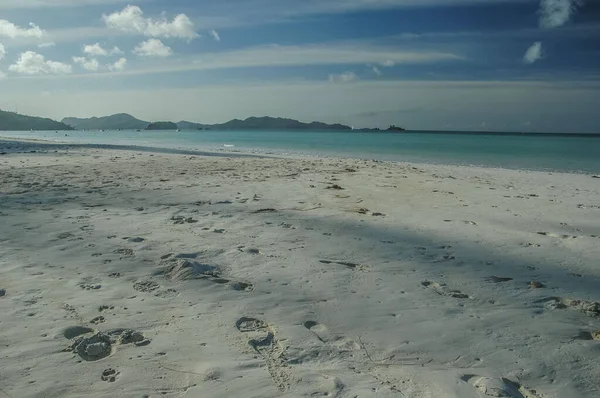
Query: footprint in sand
x=497 y=279
x=352 y=266
x=553 y=235
x=167 y=293
x=589 y=308
x=64 y=235
x=76 y=331
x=128 y=336
x=146 y=286
x=71 y=311
x=182 y=269
x=92 y=348
x=443 y=290
x=263 y=340
x=124 y=252
x=110 y=375
x=135 y=240
x=178 y=220
x=98 y=320
x=499 y=387
x=90 y=286
x=323 y=334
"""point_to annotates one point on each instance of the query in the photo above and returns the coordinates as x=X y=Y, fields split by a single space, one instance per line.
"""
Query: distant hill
x=162 y=126
x=392 y=128
x=121 y=121
x=275 y=123
x=190 y=125
x=10 y=121
x=124 y=121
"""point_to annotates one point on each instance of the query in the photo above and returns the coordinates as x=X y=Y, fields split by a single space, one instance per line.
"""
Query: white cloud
x=351 y=54
x=555 y=13
x=2 y=75
x=376 y=70
x=152 y=48
x=119 y=65
x=95 y=50
x=47 y=44
x=388 y=64
x=321 y=54
x=31 y=63
x=215 y=35
x=533 y=53
x=131 y=20
x=2 y=51
x=345 y=77
x=12 y=31
x=91 y=64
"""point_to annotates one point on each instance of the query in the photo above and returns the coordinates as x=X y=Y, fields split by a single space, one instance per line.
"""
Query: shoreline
x=267 y=153
x=129 y=273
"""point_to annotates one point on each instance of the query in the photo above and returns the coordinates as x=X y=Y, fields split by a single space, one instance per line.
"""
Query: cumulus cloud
x=119 y=65
x=2 y=75
x=32 y=63
x=388 y=64
x=345 y=77
x=90 y=64
x=46 y=45
x=533 y=53
x=131 y=20
x=215 y=35
x=12 y=31
x=96 y=50
x=152 y=48
x=555 y=13
x=2 y=51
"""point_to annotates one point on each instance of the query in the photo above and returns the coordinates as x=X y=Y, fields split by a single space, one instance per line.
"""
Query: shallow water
x=551 y=153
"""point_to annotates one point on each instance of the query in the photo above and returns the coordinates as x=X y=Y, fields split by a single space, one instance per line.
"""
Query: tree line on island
x=10 y=121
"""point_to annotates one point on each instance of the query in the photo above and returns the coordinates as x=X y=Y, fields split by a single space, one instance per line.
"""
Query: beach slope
x=133 y=273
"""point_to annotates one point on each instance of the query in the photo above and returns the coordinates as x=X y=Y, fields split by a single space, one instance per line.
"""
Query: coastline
x=264 y=276
x=47 y=145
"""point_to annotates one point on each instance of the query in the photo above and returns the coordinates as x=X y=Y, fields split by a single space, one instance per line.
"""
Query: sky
x=501 y=65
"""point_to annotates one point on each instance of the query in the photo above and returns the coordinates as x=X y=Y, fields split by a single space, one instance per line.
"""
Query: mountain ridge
x=12 y=121
x=122 y=121
x=125 y=121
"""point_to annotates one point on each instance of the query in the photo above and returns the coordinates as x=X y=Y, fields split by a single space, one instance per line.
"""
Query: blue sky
x=524 y=65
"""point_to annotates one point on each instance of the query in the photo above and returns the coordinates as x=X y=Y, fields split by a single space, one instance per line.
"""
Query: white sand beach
x=129 y=273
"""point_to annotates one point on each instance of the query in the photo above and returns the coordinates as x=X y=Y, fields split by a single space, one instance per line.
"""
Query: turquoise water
x=571 y=154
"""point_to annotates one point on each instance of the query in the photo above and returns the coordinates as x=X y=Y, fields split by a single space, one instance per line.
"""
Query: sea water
x=544 y=152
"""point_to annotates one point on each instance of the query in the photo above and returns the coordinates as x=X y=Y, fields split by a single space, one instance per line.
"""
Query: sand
x=145 y=274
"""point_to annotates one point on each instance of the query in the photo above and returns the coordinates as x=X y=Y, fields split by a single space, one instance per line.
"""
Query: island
x=162 y=126
x=124 y=121
x=11 y=121
x=276 y=123
x=119 y=121
x=183 y=125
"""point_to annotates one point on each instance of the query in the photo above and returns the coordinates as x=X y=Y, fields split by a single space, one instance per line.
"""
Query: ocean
x=576 y=154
